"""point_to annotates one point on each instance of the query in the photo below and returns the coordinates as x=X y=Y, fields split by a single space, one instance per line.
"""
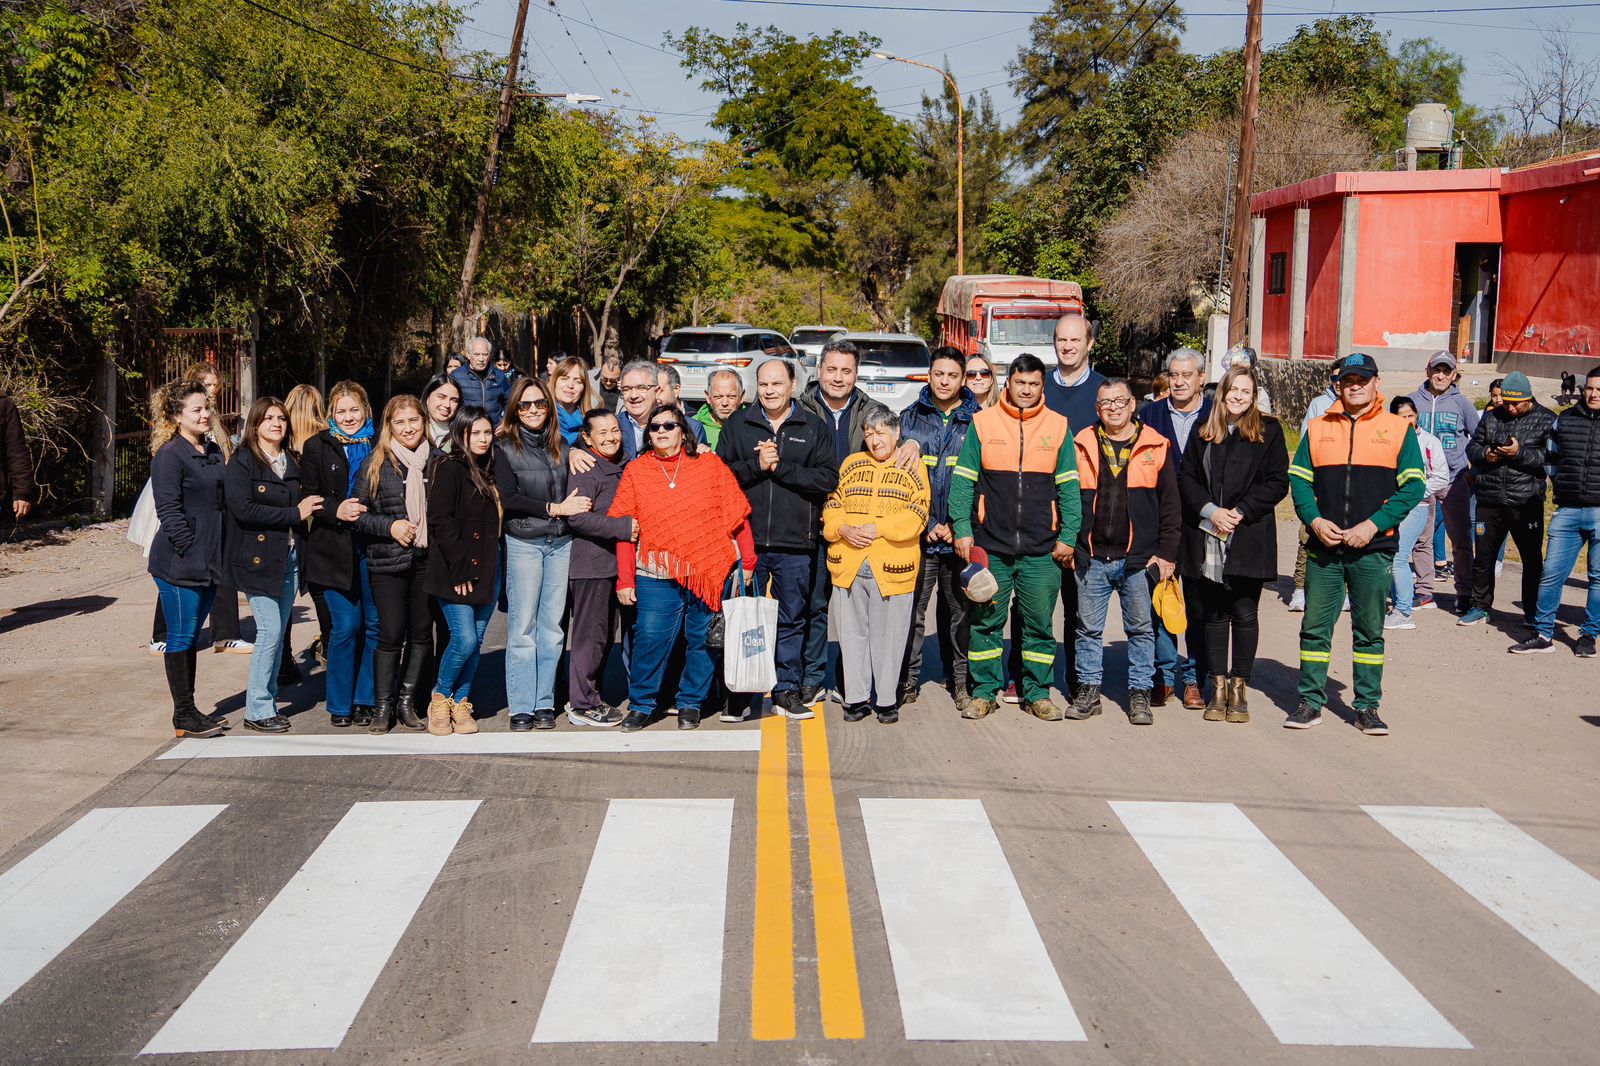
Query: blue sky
x=565 y=52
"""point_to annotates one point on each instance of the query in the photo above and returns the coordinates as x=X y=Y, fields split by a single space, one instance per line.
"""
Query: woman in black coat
x=186 y=471
x=1234 y=473
x=334 y=562
x=394 y=490
x=463 y=563
x=266 y=516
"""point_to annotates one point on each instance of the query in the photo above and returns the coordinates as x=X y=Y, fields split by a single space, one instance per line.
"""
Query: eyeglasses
x=665 y=427
x=634 y=390
x=979 y=374
x=1114 y=405
x=533 y=405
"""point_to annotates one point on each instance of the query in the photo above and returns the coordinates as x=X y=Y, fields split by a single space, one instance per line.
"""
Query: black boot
x=382 y=717
x=405 y=704
x=186 y=719
x=385 y=671
x=219 y=720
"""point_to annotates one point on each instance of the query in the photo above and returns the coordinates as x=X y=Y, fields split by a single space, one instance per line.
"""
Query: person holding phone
x=1128 y=474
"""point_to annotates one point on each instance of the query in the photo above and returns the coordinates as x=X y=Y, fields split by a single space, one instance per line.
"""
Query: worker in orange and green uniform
x=1015 y=494
x=1356 y=475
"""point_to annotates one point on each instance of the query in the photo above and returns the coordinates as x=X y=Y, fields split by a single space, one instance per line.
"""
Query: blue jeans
x=459 y=663
x=185 y=608
x=1403 y=586
x=272 y=626
x=536 y=595
x=1096 y=582
x=666 y=608
x=814 y=672
x=790 y=573
x=353 y=639
x=1570 y=529
x=1173 y=668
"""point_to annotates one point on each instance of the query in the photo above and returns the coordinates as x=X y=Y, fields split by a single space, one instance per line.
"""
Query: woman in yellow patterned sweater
x=874 y=522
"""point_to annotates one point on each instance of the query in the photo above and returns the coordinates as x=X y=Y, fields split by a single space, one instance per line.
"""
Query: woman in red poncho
x=693 y=526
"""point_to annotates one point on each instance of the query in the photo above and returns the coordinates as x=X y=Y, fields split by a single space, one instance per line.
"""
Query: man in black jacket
x=16 y=465
x=1508 y=451
x=782 y=455
x=1574 y=467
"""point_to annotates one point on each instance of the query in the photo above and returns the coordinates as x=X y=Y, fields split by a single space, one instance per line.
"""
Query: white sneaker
x=732 y=714
x=672 y=711
x=238 y=647
x=158 y=647
x=1396 y=620
x=1297 y=602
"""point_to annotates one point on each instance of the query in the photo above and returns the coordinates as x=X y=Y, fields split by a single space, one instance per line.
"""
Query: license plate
x=881 y=390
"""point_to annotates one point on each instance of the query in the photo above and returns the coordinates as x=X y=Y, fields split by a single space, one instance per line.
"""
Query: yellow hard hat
x=1167 y=600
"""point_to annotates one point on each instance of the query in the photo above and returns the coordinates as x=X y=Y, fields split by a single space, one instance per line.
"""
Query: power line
x=839 y=5
x=610 y=53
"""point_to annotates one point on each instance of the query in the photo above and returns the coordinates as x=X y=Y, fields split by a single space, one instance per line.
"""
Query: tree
x=1558 y=95
x=1165 y=244
x=1076 y=51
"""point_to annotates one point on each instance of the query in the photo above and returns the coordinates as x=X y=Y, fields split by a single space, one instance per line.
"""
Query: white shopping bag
x=750 y=641
x=144 y=525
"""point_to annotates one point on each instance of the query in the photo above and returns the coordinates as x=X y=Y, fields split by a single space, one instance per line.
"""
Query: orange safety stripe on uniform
x=1144 y=464
x=1030 y=442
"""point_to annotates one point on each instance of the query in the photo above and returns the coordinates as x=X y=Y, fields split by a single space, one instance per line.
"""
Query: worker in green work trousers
x=1356 y=475
x=1015 y=495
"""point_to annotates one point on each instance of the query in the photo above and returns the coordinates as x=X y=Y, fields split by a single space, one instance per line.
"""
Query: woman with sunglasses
x=463 y=563
x=530 y=470
x=693 y=522
x=981 y=380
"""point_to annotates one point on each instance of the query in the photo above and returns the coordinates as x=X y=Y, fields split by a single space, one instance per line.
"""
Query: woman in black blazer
x=463 y=562
x=334 y=561
x=394 y=489
x=1234 y=473
x=261 y=557
x=186 y=555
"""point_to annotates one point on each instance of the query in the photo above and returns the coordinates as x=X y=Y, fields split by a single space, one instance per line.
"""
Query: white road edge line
x=53 y=896
x=642 y=960
x=299 y=975
x=969 y=963
x=1312 y=975
x=588 y=742
x=1536 y=891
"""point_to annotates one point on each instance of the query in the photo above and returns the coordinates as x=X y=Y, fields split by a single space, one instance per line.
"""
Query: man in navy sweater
x=1072 y=387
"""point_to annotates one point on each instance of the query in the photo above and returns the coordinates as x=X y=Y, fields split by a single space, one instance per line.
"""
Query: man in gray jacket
x=1443 y=411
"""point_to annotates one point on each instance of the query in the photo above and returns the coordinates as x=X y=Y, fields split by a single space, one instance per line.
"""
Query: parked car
x=893 y=367
x=807 y=341
x=698 y=351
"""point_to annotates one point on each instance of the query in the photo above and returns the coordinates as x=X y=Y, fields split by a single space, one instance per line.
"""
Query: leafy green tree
x=1076 y=51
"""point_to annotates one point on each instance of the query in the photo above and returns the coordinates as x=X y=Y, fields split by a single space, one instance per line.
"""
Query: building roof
x=1346 y=182
x=1554 y=174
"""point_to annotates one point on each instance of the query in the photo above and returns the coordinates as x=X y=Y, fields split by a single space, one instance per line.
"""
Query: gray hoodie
x=1451 y=417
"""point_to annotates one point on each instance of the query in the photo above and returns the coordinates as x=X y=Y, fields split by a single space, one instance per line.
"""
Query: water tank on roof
x=1428 y=126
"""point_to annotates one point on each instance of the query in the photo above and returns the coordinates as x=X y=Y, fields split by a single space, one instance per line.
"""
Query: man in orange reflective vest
x=1356 y=475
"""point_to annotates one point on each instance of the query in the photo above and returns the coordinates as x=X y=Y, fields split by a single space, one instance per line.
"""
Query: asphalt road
x=938 y=891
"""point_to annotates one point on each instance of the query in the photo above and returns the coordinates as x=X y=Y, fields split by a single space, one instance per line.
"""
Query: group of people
x=602 y=518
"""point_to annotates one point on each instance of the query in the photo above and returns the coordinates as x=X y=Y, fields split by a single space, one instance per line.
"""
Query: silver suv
x=892 y=367
x=699 y=351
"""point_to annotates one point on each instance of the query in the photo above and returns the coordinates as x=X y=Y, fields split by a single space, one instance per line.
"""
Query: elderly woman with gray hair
x=873 y=523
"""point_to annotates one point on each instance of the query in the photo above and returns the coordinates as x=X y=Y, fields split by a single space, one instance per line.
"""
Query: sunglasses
x=979 y=374
x=533 y=405
x=665 y=427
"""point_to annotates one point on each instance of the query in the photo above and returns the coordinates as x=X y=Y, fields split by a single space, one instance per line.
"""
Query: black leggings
x=405 y=625
x=1231 y=606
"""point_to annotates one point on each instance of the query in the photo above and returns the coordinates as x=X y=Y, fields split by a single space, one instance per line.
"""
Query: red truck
x=1000 y=316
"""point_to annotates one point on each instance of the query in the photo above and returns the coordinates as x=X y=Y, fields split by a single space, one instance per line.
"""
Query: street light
x=571 y=98
x=961 y=122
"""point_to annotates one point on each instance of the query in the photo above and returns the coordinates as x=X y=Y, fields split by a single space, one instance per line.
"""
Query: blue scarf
x=357 y=447
x=571 y=424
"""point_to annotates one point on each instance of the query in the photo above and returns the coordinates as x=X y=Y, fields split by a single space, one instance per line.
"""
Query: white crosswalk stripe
x=576 y=742
x=968 y=960
x=644 y=955
x=53 y=896
x=378 y=863
x=1310 y=973
x=1537 y=892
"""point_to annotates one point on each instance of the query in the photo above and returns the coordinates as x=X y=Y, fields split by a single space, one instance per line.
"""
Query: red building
x=1496 y=266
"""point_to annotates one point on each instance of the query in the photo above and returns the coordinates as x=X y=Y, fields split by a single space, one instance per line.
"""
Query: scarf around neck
x=571 y=424
x=357 y=446
x=687 y=529
x=415 y=463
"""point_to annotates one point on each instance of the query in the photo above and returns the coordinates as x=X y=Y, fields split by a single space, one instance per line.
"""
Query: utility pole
x=961 y=166
x=508 y=94
x=1238 y=304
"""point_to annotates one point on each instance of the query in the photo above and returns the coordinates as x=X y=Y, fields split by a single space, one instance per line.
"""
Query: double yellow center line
x=773 y=984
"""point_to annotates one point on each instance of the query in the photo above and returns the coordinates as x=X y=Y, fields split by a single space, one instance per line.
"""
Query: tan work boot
x=1238 y=704
x=1044 y=710
x=1217 y=709
x=461 y=717
x=439 y=715
x=977 y=708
